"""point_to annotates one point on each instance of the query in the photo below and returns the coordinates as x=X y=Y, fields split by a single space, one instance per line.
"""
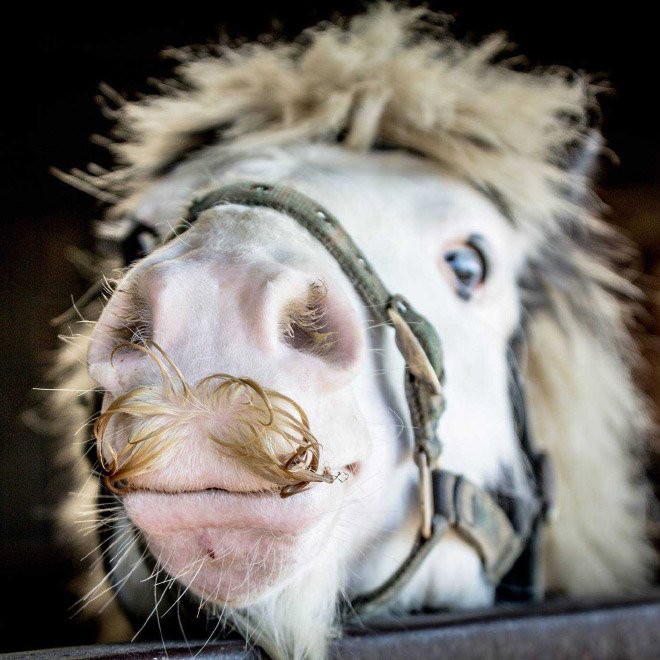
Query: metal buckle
x=420 y=366
x=426 y=505
x=413 y=353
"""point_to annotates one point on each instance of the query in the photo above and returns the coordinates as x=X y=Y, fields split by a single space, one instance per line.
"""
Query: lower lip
x=162 y=513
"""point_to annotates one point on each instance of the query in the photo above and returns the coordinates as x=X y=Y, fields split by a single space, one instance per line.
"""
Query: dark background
x=53 y=61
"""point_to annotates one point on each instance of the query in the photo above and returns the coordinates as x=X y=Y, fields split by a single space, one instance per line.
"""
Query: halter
x=505 y=537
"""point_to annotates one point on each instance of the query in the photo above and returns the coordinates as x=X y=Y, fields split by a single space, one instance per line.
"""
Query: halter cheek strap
x=446 y=500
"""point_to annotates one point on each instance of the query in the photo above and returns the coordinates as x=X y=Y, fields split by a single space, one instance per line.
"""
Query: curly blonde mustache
x=268 y=432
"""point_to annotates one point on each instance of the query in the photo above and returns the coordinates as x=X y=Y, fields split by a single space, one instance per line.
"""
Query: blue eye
x=469 y=265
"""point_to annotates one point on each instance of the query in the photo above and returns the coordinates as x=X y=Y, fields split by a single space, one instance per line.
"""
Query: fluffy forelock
x=394 y=77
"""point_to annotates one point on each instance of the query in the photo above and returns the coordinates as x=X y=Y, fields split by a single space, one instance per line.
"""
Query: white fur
x=401 y=210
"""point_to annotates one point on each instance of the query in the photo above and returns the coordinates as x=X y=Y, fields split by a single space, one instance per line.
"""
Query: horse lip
x=159 y=512
x=349 y=470
x=210 y=489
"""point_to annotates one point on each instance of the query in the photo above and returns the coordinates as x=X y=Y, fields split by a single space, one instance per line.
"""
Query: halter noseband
x=446 y=500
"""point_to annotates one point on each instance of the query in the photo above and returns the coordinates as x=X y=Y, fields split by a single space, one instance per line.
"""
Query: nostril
x=135 y=326
x=304 y=322
x=128 y=319
x=322 y=325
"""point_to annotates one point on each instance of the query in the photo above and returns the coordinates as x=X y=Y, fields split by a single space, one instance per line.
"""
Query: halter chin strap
x=447 y=501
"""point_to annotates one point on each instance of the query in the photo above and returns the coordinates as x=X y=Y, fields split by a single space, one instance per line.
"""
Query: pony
x=254 y=435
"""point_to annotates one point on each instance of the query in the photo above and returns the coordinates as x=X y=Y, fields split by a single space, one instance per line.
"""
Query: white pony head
x=460 y=178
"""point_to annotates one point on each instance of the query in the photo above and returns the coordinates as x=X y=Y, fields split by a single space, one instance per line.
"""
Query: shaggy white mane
x=394 y=77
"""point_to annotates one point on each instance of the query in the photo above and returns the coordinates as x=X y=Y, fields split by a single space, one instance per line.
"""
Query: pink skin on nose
x=213 y=318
